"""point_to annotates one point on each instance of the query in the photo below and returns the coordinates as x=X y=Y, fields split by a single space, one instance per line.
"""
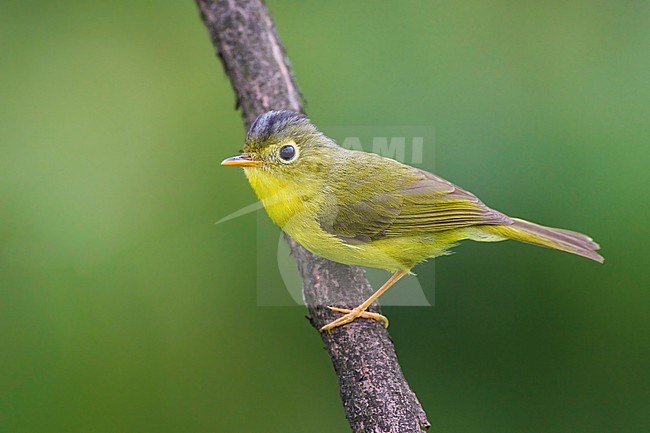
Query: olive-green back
x=372 y=198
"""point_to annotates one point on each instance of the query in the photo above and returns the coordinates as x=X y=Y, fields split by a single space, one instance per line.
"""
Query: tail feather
x=559 y=239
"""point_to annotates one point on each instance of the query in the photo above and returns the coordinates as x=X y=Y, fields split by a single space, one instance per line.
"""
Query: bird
x=362 y=209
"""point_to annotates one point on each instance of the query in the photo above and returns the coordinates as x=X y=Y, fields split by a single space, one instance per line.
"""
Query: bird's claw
x=351 y=315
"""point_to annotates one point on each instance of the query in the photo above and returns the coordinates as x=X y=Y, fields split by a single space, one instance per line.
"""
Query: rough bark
x=375 y=394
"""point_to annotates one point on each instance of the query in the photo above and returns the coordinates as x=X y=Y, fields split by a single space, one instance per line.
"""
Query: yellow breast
x=282 y=200
x=295 y=209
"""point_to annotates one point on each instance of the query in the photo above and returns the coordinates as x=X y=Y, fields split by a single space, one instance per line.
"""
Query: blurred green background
x=124 y=308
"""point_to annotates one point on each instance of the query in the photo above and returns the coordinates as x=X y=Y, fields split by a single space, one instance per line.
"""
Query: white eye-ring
x=288 y=152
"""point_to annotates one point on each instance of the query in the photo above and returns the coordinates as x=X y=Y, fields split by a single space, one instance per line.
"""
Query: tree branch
x=375 y=395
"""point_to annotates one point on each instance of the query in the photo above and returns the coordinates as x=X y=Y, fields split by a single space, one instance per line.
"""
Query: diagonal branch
x=375 y=395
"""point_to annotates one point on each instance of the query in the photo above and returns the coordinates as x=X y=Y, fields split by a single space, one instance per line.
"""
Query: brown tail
x=559 y=239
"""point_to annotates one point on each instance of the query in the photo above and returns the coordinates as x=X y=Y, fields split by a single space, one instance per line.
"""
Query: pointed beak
x=243 y=160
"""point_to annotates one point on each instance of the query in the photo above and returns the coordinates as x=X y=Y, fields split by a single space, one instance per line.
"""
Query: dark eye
x=287 y=152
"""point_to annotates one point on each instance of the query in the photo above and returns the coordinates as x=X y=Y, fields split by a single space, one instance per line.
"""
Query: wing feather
x=414 y=202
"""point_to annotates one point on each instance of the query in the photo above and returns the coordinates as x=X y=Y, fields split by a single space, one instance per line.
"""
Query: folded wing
x=412 y=202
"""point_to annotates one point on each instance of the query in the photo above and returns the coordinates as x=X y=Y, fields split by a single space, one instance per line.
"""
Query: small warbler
x=362 y=209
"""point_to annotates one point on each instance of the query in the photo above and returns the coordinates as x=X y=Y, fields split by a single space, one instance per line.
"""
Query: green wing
x=387 y=199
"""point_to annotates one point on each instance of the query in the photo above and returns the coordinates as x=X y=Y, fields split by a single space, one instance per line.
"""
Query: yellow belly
x=391 y=254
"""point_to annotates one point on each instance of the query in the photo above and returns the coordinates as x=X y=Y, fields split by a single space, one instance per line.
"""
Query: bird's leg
x=360 y=311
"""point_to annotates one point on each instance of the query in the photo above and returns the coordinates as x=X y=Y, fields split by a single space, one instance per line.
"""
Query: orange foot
x=351 y=315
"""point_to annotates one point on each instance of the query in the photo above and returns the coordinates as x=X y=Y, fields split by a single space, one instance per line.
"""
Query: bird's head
x=283 y=145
